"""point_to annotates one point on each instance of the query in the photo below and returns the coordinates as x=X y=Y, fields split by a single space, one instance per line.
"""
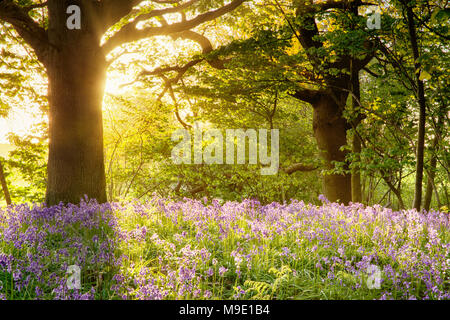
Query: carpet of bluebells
x=192 y=249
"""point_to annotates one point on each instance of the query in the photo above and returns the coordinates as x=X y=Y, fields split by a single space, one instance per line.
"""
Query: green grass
x=177 y=251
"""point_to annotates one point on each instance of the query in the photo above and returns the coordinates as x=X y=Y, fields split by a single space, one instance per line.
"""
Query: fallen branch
x=299 y=167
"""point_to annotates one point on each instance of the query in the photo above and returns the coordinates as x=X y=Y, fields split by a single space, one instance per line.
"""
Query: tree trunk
x=330 y=131
x=69 y=47
x=446 y=195
x=4 y=185
x=76 y=71
x=75 y=163
x=430 y=181
x=396 y=191
x=433 y=162
x=356 y=173
x=422 y=109
x=356 y=143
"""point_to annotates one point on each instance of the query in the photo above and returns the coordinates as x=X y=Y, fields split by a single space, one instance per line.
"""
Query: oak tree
x=72 y=41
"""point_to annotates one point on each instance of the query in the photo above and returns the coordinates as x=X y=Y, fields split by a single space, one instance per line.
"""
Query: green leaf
x=440 y=15
x=424 y=75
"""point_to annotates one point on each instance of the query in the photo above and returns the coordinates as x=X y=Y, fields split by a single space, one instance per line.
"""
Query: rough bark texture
x=76 y=69
x=330 y=127
x=330 y=131
x=75 y=163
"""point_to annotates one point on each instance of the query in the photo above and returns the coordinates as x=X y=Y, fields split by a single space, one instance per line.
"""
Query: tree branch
x=33 y=34
x=373 y=74
x=130 y=33
x=307 y=95
x=360 y=64
x=181 y=70
x=308 y=29
x=205 y=44
x=198 y=189
x=299 y=167
x=35 y=6
x=114 y=10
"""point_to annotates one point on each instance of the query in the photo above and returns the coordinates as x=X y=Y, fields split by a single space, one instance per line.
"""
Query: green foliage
x=266 y=64
x=27 y=167
x=20 y=76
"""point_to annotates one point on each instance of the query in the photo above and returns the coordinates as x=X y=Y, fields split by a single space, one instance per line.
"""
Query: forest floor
x=165 y=249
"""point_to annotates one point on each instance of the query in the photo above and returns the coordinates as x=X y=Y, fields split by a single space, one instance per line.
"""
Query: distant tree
x=422 y=104
x=4 y=184
x=287 y=49
x=335 y=82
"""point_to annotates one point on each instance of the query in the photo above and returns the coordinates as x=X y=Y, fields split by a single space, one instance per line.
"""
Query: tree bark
x=396 y=191
x=4 y=185
x=299 y=167
x=422 y=109
x=356 y=142
x=75 y=162
x=76 y=70
x=330 y=127
x=330 y=131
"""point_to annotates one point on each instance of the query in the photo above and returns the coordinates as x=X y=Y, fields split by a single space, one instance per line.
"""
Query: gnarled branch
x=130 y=33
x=33 y=34
x=307 y=95
x=114 y=10
x=299 y=167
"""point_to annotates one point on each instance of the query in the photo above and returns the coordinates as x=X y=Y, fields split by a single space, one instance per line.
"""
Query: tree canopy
x=358 y=91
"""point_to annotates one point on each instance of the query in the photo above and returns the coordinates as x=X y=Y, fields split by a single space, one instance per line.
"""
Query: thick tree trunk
x=76 y=69
x=330 y=131
x=330 y=127
x=4 y=185
x=75 y=163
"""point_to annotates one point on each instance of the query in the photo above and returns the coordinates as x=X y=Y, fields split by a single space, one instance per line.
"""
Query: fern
x=265 y=291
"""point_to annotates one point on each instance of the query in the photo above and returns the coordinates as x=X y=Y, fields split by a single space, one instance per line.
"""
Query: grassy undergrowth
x=189 y=250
